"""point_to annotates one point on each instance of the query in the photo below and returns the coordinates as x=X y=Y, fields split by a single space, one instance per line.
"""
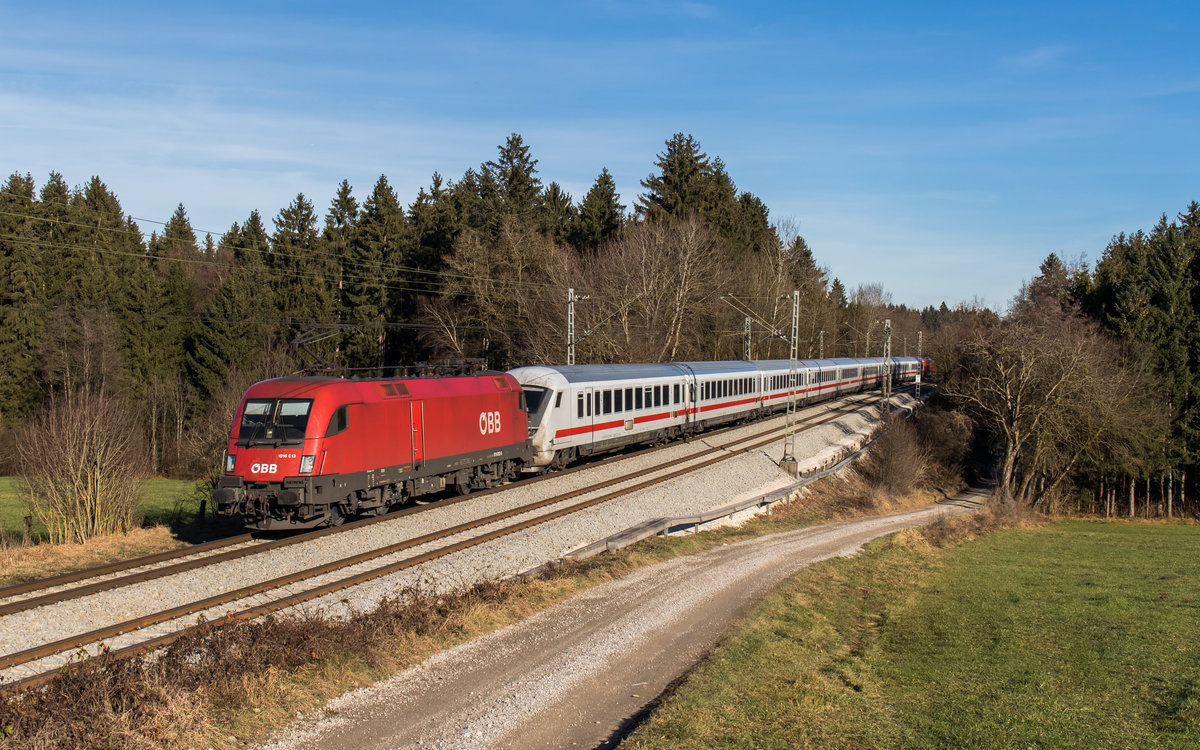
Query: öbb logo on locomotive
x=489 y=422
x=309 y=451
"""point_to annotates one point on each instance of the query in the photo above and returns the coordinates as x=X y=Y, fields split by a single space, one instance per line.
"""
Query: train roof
x=593 y=373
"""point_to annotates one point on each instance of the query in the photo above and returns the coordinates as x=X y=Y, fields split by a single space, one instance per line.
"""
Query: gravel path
x=579 y=673
x=746 y=476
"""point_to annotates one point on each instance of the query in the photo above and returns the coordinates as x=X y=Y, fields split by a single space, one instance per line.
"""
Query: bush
x=81 y=466
x=896 y=461
x=946 y=437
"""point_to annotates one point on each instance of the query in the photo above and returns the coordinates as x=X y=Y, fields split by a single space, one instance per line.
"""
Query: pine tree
x=21 y=301
x=435 y=227
x=341 y=221
x=682 y=184
x=304 y=280
x=601 y=214
x=689 y=183
x=837 y=295
x=556 y=213
x=371 y=297
x=515 y=176
x=240 y=319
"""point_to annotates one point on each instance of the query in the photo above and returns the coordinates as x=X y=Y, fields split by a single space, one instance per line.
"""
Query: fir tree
x=435 y=227
x=601 y=214
x=373 y=261
x=556 y=214
x=515 y=176
x=21 y=317
x=682 y=183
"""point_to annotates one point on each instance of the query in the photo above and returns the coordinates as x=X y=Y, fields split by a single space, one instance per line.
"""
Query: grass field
x=1073 y=635
x=166 y=501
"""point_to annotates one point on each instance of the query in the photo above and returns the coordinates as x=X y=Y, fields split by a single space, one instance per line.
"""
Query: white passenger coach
x=581 y=410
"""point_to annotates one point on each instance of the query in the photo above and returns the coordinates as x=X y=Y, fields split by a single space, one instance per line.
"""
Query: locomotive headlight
x=229 y=462
x=306 y=464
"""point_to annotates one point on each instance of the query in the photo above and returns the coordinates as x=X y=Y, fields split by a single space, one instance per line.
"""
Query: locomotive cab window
x=274 y=421
x=338 y=422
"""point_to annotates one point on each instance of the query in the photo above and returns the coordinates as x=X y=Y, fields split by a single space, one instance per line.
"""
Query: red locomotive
x=308 y=451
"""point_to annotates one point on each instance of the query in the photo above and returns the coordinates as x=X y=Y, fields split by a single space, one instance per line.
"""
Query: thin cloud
x=1040 y=58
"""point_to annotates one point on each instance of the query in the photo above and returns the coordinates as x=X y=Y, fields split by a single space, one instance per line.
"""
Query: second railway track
x=151 y=629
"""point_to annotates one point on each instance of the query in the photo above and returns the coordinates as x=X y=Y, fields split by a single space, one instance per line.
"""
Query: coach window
x=618 y=401
x=558 y=400
x=608 y=402
x=637 y=398
x=629 y=399
x=658 y=395
x=579 y=406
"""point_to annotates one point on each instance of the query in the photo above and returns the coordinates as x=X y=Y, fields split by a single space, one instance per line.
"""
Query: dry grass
x=19 y=563
x=998 y=513
x=226 y=686
x=221 y=687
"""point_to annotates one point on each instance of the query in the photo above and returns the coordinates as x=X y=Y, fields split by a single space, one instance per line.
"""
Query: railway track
x=32 y=666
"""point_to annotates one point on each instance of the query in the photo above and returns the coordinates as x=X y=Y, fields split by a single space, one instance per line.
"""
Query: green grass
x=166 y=501
x=1074 y=635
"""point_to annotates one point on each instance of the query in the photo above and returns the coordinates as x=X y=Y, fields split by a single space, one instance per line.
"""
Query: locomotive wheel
x=336 y=518
x=464 y=488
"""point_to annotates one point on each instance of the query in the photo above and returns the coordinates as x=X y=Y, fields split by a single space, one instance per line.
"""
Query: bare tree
x=659 y=284
x=1054 y=393
x=506 y=292
x=81 y=464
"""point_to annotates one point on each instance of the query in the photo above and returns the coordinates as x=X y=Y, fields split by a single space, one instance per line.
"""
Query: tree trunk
x=1132 y=480
x=1170 y=491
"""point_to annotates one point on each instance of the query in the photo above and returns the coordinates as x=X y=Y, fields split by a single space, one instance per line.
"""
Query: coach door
x=417 y=420
x=586 y=419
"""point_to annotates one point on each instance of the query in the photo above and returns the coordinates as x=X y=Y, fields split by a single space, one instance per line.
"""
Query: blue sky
x=942 y=150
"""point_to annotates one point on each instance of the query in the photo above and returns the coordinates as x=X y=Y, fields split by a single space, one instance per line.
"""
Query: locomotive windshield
x=273 y=421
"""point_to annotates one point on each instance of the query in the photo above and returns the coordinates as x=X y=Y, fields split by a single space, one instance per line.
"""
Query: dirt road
x=581 y=673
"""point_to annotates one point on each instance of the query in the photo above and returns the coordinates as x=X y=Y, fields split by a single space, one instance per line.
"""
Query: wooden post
x=27 y=531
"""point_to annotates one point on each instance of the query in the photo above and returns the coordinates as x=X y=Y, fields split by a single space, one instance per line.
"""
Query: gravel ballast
x=741 y=477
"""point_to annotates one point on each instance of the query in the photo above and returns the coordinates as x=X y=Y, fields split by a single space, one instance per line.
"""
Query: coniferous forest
x=175 y=325
x=169 y=329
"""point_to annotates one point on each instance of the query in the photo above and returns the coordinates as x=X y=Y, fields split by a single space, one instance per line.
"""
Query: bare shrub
x=184 y=694
x=81 y=466
x=1000 y=512
x=896 y=461
x=945 y=436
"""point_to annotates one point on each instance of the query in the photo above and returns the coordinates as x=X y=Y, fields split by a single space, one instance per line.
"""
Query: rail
x=664 y=526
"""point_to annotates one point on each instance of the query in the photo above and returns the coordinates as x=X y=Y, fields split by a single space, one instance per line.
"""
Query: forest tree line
x=1089 y=389
x=172 y=328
